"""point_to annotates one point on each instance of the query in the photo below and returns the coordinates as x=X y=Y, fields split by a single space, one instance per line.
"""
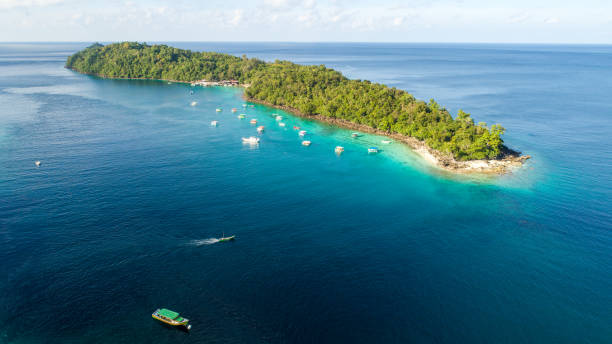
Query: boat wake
x=203 y=242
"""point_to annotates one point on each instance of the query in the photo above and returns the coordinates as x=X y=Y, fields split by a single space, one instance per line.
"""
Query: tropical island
x=455 y=144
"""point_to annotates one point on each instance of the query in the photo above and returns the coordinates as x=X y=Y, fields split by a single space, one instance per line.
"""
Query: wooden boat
x=171 y=318
x=253 y=121
x=234 y=109
x=295 y=127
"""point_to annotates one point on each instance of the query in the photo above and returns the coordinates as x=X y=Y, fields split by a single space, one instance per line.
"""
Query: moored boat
x=234 y=109
x=241 y=116
x=281 y=124
x=296 y=127
x=218 y=109
x=171 y=318
x=339 y=149
x=306 y=143
x=279 y=118
x=244 y=105
x=253 y=121
x=194 y=103
x=260 y=129
x=214 y=123
x=355 y=135
x=302 y=133
x=37 y=163
x=250 y=140
x=385 y=141
x=373 y=150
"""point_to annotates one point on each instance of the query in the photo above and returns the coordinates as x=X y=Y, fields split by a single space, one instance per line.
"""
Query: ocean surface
x=135 y=184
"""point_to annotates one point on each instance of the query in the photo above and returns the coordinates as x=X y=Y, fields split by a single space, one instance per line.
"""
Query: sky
x=499 y=21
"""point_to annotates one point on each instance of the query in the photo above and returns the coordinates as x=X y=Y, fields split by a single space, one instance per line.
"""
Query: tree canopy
x=309 y=89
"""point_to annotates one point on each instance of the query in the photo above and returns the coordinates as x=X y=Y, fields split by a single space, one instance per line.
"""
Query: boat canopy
x=168 y=313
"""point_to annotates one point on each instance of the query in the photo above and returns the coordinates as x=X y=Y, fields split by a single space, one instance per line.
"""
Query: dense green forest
x=313 y=90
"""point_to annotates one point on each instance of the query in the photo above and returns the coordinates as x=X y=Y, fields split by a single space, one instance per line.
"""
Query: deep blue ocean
x=135 y=184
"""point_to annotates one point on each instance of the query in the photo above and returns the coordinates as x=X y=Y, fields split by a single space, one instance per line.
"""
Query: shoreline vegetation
x=319 y=93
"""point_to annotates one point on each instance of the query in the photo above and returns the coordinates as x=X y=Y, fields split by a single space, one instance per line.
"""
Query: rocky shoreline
x=509 y=162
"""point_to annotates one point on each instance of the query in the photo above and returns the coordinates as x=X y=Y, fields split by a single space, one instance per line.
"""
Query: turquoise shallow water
x=134 y=183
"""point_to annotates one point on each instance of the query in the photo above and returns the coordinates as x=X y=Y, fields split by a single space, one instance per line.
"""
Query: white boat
x=194 y=103
x=279 y=118
x=250 y=140
x=355 y=134
x=281 y=124
x=37 y=163
x=339 y=149
x=244 y=105
x=260 y=129
x=241 y=116
x=302 y=133
x=385 y=142
x=373 y=150
x=218 y=109
x=214 y=123
x=306 y=143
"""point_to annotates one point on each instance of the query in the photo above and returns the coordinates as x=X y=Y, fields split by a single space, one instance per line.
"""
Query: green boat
x=224 y=238
x=171 y=318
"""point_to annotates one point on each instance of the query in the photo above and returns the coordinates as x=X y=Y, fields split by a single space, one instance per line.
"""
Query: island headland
x=455 y=144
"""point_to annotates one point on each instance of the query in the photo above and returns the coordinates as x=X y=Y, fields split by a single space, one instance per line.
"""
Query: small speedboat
x=250 y=140
x=171 y=318
x=339 y=149
x=355 y=135
x=234 y=109
x=241 y=116
x=37 y=163
x=218 y=109
x=281 y=124
x=214 y=123
x=244 y=105
x=302 y=133
x=373 y=150
x=260 y=129
x=385 y=141
x=253 y=121
x=279 y=118
x=194 y=103
x=226 y=239
x=306 y=143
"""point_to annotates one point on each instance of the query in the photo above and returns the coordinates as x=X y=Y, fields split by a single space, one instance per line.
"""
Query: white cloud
x=552 y=20
x=8 y=4
x=519 y=18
